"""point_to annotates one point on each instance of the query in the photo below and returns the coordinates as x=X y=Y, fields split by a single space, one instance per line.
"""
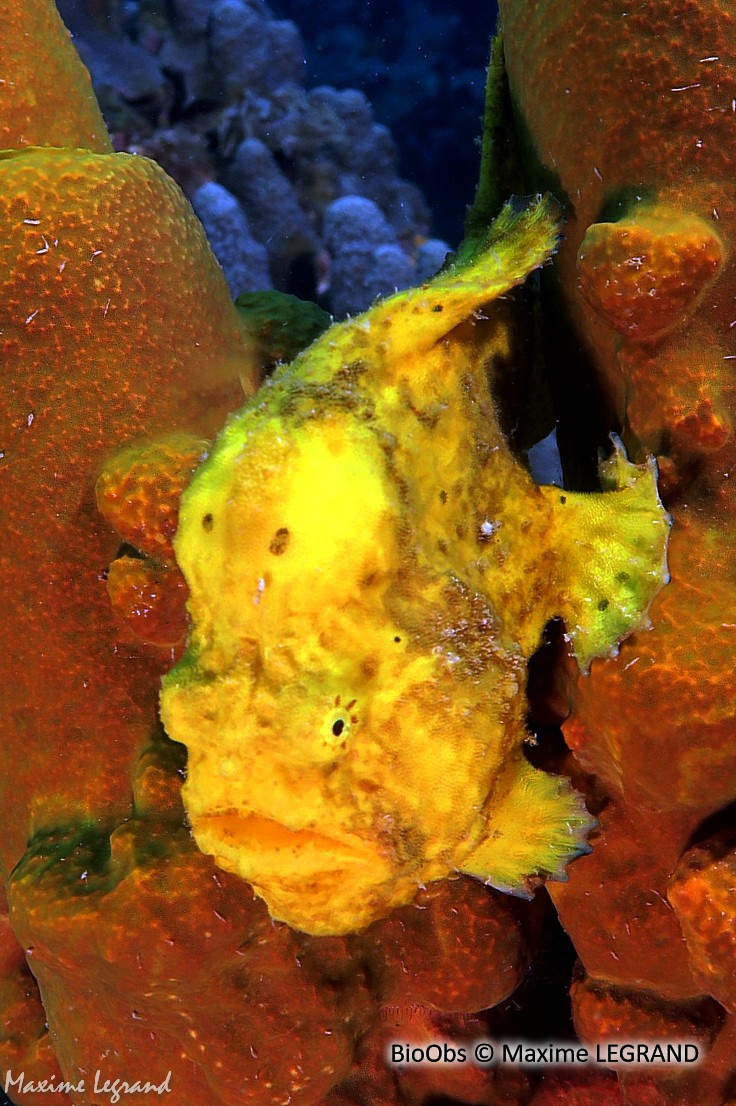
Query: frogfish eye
x=338 y=725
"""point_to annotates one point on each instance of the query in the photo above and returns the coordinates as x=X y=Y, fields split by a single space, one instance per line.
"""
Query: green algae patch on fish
x=370 y=570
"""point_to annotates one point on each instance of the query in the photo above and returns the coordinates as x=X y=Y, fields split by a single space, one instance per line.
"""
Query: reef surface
x=126 y=948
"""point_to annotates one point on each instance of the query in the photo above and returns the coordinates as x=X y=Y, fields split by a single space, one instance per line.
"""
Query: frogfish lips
x=300 y=866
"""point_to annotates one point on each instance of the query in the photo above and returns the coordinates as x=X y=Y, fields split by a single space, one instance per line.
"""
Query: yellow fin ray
x=538 y=824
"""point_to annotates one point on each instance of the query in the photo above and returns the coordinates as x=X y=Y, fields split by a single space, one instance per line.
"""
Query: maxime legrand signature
x=111 y=1089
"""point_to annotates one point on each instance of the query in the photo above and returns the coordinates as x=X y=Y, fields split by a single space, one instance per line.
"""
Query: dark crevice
x=128 y=550
x=540 y=1009
x=550 y=680
x=584 y=418
x=518 y=384
x=720 y=824
x=552 y=675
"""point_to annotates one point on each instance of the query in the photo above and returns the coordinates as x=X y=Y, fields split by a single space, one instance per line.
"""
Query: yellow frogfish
x=370 y=570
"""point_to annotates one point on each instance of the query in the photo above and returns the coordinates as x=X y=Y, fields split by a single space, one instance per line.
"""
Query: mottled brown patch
x=428 y=417
x=469 y=626
x=483 y=451
x=352 y=371
x=370 y=667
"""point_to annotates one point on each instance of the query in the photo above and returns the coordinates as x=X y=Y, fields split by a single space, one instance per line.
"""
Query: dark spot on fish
x=438 y=307
x=338 y=726
x=397 y=639
x=442 y=545
x=622 y=577
x=279 y=542
x=443 y=496
x=208 y=522
x=603 y=605
x=563 y=499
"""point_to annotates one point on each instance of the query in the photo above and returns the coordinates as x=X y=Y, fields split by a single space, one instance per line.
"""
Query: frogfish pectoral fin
x=615 y=548
x=539 y=825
